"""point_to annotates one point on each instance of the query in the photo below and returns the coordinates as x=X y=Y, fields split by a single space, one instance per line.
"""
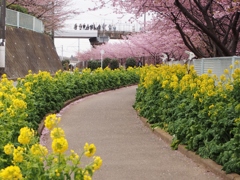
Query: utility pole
x=2 y=35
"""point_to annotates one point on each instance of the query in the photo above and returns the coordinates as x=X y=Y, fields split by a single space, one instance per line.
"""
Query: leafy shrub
x=93 y=64
x=65 y=64
x=114 y=64
x=106 y=62
x=130 y=62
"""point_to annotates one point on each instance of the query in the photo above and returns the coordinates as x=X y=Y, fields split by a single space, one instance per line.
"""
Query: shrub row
x=39 y=94
x=107 y=62
x=201 y=112
x=111 y=63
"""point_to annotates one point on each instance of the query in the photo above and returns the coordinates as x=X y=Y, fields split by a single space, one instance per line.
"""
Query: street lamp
x=102 y=52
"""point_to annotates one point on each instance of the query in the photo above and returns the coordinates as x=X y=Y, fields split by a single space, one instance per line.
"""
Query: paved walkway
x=130 y=151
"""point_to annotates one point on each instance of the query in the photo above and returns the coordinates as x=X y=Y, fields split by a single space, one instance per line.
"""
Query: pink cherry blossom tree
x=208 y=28
x=150 y=44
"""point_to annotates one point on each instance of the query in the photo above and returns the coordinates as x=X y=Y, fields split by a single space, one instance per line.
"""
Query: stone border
x=207 y=163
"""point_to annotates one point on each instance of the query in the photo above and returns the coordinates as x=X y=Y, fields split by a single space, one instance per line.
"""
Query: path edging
x=207 y=163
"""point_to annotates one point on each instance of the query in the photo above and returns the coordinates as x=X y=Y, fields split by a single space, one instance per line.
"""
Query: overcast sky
x=67 y=47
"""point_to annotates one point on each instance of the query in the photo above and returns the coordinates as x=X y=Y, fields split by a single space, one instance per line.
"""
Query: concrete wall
x=27 y=50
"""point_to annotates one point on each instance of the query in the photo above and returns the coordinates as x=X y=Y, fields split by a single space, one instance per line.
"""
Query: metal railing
x=18 y=19
x=132 y=27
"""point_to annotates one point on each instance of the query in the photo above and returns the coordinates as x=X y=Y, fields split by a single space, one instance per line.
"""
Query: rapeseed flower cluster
x=90 y=149
x=97 y=162
x=60 y=145
x=18 y=154
x=51 y=121
x=8 y=149
x=26 y=135
x=201 y=111
x=39 y=150
x=13 y=110
x=11 y=173
x=32 y=160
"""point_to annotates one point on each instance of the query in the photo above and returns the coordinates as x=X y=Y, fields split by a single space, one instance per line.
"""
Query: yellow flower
x=223 y=77
x=226 y=71
x=209 y=71
x=210 y=107
x=59 y=145
x=18 y=154
x=210 y=93
x=89 y=149
x=74 y=156
x=195 y=95
x=8 y=149
x=4 y=76
x=86 y=177
x=51 y=121
x=11 y=173
x=164 y=83
x=26 y=135
x=166 y=96
x=229 y=87
x=237 y=120
x=192 y=85
x=97 y=163
x=38 y=149
x=57 y=133
x=57 y=173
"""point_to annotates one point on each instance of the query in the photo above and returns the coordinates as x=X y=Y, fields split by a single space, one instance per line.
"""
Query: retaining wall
x=28 y=50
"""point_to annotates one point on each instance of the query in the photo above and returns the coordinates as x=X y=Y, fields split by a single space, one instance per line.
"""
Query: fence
x=217 y=64
x=18 y=19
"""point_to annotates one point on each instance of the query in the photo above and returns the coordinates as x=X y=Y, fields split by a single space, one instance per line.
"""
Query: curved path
x=130 y=151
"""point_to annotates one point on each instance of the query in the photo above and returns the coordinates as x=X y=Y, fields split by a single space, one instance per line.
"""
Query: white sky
x=69 y=47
